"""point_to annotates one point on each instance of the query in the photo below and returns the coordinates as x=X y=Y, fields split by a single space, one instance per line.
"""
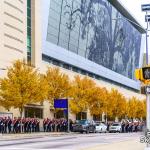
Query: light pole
x=68 y=117
x=68 y=111
x=146 y=8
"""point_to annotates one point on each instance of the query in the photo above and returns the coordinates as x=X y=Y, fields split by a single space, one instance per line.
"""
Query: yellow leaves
x=116 y=104
x=81 y=92
x=23 y=85
x=136 y=108
x=58 y=84
x=98 y=101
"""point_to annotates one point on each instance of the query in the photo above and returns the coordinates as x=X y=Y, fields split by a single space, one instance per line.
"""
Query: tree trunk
x=21 y=115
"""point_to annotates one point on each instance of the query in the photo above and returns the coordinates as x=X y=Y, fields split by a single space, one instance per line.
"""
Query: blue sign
x=60 y=103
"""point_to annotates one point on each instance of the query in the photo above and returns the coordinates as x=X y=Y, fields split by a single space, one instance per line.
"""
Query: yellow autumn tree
x=136 y=108
x=98 y=101
x=132 y=107
x=116 y=104
x=23 y=85
x=141 y=109
x=58 y=84
x=81 y=92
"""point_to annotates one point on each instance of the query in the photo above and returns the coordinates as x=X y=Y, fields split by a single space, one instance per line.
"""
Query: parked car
x=101 y=127
x=115 y=127
x=84 y=126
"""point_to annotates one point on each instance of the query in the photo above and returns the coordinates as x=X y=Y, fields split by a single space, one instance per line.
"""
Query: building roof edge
x=123 y=10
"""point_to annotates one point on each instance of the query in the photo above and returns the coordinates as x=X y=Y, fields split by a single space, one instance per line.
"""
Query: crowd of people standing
x=129 y=126
x=56 y=125
x=28 y=125
x=18 y=125
x=132 y=126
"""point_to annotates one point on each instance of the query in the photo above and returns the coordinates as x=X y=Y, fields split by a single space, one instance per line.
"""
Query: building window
x=60 y=114
x=33 y=112
x=55 y=62
x=29 y=31
x=66 y=66
x=84 y=72
x=81 y=115
x=96 y=117
x=75 y=69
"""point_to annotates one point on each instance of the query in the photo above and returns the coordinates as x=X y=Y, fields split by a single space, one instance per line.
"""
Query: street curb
x=30 y=135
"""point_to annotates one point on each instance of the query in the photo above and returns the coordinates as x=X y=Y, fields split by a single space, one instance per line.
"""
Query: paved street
x=113 y=141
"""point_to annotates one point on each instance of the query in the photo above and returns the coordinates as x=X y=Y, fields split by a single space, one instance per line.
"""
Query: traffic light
x=146 y=73
x=139 y=74
x=143 y=74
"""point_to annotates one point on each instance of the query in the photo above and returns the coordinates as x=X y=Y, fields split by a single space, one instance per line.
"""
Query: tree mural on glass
x=96 y=23
x=125 y=48
x=60 y=21
x=107 y=39
x=72 y=12
x=97 y=31
x=116 y=57
x=79 y=17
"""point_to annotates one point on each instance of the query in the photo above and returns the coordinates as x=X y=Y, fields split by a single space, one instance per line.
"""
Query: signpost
x=147 y=89
x=63 y=103
x=146 y=72
x=143 y=74
x=145 y=7
x=147 y=18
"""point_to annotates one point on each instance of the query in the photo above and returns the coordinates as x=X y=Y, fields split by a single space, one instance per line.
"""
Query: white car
x=101 y=127
x=115 y=127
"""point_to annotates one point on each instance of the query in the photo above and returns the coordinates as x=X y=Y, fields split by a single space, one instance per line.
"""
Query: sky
x=134 y=6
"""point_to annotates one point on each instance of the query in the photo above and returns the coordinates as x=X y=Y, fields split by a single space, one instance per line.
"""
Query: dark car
x=84 y=126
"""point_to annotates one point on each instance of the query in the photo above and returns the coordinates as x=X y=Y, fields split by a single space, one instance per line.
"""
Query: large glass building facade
x=95 y=30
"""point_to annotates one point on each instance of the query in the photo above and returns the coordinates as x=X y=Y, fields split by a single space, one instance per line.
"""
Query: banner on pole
x=60 y=103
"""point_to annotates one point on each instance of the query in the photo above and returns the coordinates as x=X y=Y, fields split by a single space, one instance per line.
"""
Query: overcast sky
x=134 y=6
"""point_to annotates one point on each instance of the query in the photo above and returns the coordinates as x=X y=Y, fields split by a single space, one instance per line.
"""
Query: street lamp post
x=68 y=117
x=146 y=8
x=69 y=98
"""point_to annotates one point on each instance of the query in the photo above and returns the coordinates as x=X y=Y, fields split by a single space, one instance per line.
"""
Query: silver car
x=115 y=127
x=101 y=127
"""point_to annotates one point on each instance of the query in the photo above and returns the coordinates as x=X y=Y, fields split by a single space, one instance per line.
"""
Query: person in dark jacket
x=9 y=124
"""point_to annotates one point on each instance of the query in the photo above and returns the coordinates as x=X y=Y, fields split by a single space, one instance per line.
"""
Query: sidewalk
x=124 y=145
x=32 y=135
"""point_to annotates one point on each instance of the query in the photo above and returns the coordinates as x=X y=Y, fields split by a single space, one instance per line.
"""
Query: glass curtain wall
x=95 y=30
